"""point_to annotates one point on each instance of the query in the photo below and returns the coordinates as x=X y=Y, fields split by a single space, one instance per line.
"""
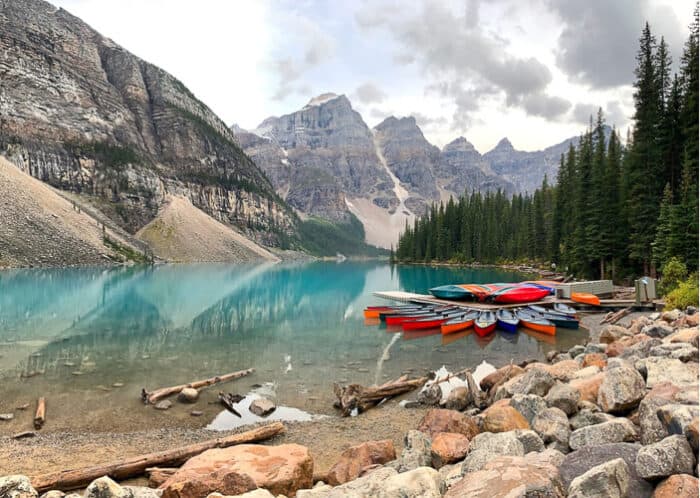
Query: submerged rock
x=166 y=404
x=188 y=395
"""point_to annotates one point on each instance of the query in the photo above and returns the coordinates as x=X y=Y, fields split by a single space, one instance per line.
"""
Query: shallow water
x=89 y=339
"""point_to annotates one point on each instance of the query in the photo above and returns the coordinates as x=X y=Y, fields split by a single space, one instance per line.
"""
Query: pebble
x=6 y=416
x=77 y=372
x=23 y=407
x=118 y=384
x=69 y=364
x=196 y=413
x=23 y=435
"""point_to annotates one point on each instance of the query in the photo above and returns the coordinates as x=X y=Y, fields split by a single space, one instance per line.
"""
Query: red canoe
x=424 y=323
x=520 y=294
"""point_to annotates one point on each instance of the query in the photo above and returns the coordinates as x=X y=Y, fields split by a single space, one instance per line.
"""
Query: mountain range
x=325 y=161
x=132 y=145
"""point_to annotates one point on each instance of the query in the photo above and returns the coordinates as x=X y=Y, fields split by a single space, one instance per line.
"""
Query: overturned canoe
x=519 y=294
x=454 y=292
x=585 y=298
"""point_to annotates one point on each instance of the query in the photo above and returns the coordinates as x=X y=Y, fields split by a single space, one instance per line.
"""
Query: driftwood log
x=153 y=397
x=356 y=397
x=40 y=416
x=613 y=318
x=135 y=466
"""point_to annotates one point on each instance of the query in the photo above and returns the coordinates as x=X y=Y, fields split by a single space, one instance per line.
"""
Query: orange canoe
x=585 y=298
x=456 y=325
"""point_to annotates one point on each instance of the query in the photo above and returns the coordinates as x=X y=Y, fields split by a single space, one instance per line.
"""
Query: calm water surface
x=71 y=334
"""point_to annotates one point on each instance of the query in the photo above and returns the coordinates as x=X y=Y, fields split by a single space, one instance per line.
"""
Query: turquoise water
x=75 y=333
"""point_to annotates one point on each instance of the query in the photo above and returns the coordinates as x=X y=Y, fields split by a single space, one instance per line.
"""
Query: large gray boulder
x=488 y=445
x=529 y=405
x=578 y=462
x=670 y=370
x=621 y=390
x=16 y=486
x=552 y=425
x=607 y=480
x=416 y=452
x=613 y=431
x=672 y=455
x=368 y=485
x=534 y=381
x=564 y=397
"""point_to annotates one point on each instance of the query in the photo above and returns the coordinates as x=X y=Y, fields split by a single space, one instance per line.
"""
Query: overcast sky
x=531 y=70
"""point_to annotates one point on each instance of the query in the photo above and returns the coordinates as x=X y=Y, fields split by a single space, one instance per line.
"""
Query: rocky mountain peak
x=459 y=144
x=503 y=145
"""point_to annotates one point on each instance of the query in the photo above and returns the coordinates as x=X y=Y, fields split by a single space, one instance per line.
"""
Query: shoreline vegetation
x=618 y=415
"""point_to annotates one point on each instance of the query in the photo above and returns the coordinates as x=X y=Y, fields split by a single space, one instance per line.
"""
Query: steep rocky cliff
x=82 y=114
x=462 y=169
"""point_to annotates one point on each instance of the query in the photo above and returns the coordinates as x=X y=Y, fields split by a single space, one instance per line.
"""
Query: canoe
x=563 y=308
x=550 y=285
x=383 y=315
x=398 y=319
x=479 y=291
x=561 y=320
x=457 y=324
x=507 y=321
x=585 y=298
x=454 y=292
x=485 y=323
x=519 y=294
x=428 y=322
x=536 y=323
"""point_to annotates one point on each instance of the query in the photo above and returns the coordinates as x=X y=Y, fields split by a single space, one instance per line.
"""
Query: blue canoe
x=507 y=321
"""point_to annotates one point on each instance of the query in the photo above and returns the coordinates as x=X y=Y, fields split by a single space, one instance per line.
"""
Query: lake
x=90 y=338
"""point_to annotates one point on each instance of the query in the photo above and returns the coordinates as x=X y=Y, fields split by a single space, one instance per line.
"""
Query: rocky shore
x=617 y=417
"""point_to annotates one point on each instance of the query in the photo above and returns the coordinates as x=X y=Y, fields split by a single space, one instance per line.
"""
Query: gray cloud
x=616 y=116
x=462 y=58
x=317 y=47
x=377 y=113
x=424 y=121
x=545 y=105
x=600 y=38
x=369 y=93
x=582 y=113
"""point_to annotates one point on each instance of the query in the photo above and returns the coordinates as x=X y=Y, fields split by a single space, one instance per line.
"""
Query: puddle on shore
x=226 y=420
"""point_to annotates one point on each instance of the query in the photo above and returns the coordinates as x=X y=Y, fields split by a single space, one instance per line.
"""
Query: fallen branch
x=40 y=417
x=356 y=397
x=135 y=466
x=613 y=318
x=154 y=396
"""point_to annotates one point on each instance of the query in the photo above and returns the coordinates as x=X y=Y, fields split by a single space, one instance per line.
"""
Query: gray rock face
x=84 y=115
x=621 y=390
x=16 y=486
x=564 y=397
x=578 y=462
x=461 y=168
x=529 y=405
x=409 y=156
x=535 y=381
x=527 y=169
x=669 y=456
x=416 y=452
x=614 y=431
x=607 y=480
x=553 y=427
x=669 y=370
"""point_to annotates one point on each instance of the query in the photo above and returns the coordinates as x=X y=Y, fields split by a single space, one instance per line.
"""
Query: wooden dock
x=429 y=299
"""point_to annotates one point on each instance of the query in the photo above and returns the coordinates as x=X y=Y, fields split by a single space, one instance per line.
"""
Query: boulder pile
x=615 y=418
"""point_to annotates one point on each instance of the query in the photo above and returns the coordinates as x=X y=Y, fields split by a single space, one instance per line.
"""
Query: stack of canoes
x=516 y=293
x=450 y=319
